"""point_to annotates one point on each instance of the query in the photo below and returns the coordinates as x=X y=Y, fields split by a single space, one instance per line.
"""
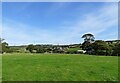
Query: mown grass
x=74 y=49
x=59 y=67
x=0 y=68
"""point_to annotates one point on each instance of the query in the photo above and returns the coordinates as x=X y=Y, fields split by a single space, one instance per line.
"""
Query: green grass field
x=0 y=68
x=59 y=67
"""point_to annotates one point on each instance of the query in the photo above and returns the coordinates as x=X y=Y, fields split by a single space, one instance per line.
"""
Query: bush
x=116 y=50
x=101 y=48
x=40 y=50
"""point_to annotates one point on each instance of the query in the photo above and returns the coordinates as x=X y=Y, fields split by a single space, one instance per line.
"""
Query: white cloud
x=55 y=8
x=100 y=21
x=95 y=22
x=18 y=33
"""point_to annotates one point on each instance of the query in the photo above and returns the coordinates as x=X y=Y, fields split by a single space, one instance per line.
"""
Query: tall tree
x=5 y=47
x=87 y=44
x=88 y=37
x=1 y=39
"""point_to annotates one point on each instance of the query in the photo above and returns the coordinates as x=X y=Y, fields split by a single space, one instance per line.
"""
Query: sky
x=58 y=22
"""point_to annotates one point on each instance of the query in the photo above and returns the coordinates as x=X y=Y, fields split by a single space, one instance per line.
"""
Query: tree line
x=100 y=47
x=90 y=46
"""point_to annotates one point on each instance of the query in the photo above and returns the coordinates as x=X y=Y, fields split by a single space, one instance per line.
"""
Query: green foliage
x=59 y=67
x=86 y=46
x=58 y=50
x=18 y=49
x=88 y=37
x=5 y=47
x=30 y=48
x=101 y=48
x=73 y=50
x=116 y=49
x=40 y=50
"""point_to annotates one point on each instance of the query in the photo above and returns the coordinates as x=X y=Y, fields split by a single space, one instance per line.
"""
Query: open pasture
x=59 y=67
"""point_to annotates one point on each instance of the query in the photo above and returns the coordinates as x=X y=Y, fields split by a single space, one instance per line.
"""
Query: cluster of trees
x=100 y=47
x=3 y=46
x=69 y=49
x=44 y=48
x=90 y=46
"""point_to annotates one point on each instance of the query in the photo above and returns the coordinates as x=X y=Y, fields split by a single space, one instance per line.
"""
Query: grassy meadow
x=59 y=67
x=0 y=67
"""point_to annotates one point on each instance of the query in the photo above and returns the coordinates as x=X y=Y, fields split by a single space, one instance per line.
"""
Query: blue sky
x=58 y=22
